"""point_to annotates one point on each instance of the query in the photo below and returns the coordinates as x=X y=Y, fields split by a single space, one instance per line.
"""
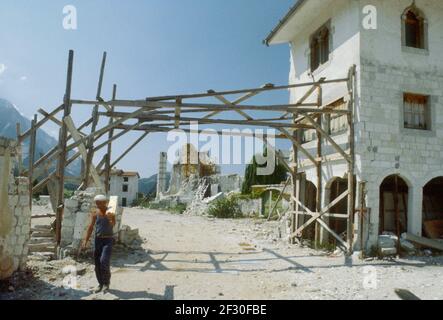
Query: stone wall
x=384 y=146
x=15 y=214
x=77 y=216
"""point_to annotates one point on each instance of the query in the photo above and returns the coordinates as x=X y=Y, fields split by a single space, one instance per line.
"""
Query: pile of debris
x=388 y=244
x=129 y=237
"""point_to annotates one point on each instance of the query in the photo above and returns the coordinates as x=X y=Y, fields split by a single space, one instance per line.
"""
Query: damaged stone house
x=193 y=172
x=398 y=108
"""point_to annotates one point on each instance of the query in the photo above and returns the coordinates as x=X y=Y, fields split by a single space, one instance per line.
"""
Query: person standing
x=104 y=223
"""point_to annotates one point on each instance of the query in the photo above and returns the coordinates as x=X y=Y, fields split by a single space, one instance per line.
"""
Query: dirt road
x=189 y=257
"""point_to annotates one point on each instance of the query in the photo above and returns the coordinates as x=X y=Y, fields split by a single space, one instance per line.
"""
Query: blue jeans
x=102 y=259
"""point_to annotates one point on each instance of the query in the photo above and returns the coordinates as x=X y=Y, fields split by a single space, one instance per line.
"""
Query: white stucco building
x=124 y=184
x=397 y=48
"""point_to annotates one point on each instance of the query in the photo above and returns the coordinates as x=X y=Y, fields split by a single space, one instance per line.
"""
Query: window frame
x=423 y=30
x=428 y=114
x=321 y=56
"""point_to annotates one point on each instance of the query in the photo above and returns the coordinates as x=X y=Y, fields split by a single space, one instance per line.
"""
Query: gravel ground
x=191 y=257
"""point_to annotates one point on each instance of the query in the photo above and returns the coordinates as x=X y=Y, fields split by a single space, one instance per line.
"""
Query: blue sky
x=155 y=47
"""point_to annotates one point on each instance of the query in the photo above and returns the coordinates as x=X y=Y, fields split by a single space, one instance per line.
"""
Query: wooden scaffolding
x=165 y=113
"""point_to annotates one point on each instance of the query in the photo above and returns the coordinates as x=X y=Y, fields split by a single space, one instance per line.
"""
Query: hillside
x=149 y=185
x=10 y=115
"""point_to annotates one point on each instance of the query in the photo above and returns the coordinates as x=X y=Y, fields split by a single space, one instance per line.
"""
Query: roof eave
x=283 y=21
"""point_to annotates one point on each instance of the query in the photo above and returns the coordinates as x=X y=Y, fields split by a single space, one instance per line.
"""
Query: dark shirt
x=103 y=228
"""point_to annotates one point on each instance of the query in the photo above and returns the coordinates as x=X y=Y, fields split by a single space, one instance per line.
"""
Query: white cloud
x=3 y=68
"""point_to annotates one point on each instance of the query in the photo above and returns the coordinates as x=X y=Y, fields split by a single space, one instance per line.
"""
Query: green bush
x=226 y=208
x=178 y=208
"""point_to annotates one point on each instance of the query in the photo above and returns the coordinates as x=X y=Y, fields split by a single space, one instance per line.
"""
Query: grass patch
x=226 y=208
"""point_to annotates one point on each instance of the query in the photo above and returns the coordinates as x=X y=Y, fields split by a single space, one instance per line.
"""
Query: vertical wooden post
x=62 y=148
x=32 y=141
x=270 y=202
x=109 y=152
x=318 y=228
x=351 y=132
x=363 y=212
x=297 y=206
x=95 y=116
x=19 y=142
x=294 y=205
x=397 y=211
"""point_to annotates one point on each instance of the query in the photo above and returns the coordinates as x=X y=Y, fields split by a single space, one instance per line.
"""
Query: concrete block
x=23 y=201
x=407 y=246
x=387 y=241
x=386 y=252
x=71 y=204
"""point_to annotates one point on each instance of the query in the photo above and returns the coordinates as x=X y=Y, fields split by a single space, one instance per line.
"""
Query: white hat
x=100 y=197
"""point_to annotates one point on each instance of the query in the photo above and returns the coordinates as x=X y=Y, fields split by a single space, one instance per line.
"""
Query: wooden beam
x=298 y=145
x=95 y=117
x=256 y=90
x=115 y=137
x=61 y=164
x=32 y=142
x=110 y=136
x=54 y=152
x=328 y=137
x=153 y=105
x=162 y=128
x=50 y=117
x=351 y=162
x=318 y=231
x=82 y=148
x=40 y=123
x=279 y=198
x=48 y=177
x=20 y=157
x=315 y=216
x=129 y=149
x=425 y=242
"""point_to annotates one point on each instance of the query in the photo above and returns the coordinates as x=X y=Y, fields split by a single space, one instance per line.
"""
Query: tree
x=251 y=177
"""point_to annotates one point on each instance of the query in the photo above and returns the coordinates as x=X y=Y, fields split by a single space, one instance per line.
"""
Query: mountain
x=149 y=185
x=10 y=115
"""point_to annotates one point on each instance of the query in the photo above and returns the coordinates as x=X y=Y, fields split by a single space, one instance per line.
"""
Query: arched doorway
x=310 y=201
x=433 y=209
x=394 y=193
x=337 y=187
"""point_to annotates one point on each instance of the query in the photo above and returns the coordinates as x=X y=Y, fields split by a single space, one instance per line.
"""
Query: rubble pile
x=129 y=237
x=198 y=206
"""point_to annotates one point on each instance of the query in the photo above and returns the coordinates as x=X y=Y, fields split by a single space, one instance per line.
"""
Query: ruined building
x=193 y=170
x=398 y=137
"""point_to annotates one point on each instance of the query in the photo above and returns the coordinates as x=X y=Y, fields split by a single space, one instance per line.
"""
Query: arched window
x=414 y=27
x=320 y=47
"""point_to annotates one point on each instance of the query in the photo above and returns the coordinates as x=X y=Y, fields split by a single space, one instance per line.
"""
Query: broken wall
x=15 y=213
